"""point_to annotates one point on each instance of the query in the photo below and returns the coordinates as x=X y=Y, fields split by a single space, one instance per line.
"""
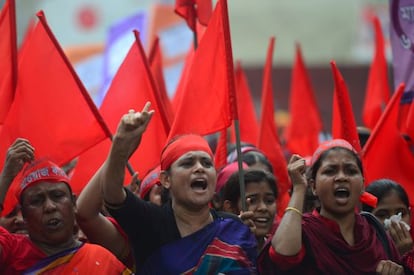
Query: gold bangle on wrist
x=294 y=210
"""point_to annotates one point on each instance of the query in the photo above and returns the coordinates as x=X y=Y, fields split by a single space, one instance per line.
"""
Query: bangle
x=294 y=209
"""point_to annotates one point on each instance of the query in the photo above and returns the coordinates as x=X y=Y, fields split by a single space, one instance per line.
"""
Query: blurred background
x=96 y=35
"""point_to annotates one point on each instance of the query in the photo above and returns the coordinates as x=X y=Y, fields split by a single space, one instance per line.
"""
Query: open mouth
x=342 y=193
x=199 y=184
x=53 y=223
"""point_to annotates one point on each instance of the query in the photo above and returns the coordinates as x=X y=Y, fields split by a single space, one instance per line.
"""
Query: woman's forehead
x=193 y=154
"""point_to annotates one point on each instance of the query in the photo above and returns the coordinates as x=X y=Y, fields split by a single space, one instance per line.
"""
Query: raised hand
x=130 y=130
x=296 y=169
x=20 y=152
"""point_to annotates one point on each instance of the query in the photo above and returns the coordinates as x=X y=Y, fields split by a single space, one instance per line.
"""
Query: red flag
x=51 y=107
x=249 y=127
x=8 y=57
x=132 y=86
x=220 y=156
x=182 y=83
x=302 y=133
x=378 y=89
x=343 y=121
x=387 y=154
x=206 y=106
x=155 y=62
x=190 y=10
x=268 y=138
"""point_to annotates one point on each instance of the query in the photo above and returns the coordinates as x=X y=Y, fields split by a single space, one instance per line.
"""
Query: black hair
x=381 y=188
x=231 y=190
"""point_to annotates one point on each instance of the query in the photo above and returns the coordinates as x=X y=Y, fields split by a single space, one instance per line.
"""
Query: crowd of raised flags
x=42 y=99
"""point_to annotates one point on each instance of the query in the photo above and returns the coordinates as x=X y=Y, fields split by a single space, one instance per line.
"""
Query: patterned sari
x=224 y=246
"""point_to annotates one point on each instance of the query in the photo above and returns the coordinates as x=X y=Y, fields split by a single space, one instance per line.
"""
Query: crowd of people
x=186 y=217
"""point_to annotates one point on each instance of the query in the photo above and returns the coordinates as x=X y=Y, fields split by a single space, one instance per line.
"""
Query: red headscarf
x=40 y=171
x=182 y=145
x=151 y=179
x=365 y=198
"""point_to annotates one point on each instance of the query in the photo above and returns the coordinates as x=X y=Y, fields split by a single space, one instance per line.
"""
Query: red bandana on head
x=325 y=146
x=151 y=179
x=180 y=146
x=365 y=197
x=40 y=171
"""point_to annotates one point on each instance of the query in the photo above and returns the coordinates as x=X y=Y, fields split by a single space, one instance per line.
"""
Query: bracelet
x=294 y=209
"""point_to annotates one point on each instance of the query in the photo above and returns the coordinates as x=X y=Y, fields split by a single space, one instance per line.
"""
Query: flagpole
x=240 y=164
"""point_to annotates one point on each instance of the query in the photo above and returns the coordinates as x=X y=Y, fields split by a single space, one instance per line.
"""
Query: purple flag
x=402 y=44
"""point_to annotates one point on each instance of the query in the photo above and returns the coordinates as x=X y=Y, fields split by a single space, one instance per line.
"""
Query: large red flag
x=206 y=106
x=8 y=57
x=249 y=127
x=268 y=138
x=378 y=89
x=132 y=86
x=191 y=10
x=51 y=108
x=343 y=120
x=387 y=154
x=302 y=133
x=182 y=83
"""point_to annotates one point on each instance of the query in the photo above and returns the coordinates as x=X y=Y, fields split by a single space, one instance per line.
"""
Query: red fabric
x=155 y=62
x=51 y=108
x=226 y=172
x=182 y=83
x=343 y=121
x=190 y=10
x=330 y=254
x=151 y=179
x=18 y=253
x=268 y=138
x=220 y=155
x=131 y=88
x=8 y=57
x=205 y=106
x=387 y=154
x=329 y=144
x=39 y=171
x=302 y=132
x=181 y=145
x=249 y=126
x=378 y=89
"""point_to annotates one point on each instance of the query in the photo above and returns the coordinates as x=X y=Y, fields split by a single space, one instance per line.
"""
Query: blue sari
x=224 y=246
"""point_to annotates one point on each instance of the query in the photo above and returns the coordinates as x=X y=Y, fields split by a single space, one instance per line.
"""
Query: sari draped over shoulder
x=214 y=249
x=78 y=260
x=327 y=252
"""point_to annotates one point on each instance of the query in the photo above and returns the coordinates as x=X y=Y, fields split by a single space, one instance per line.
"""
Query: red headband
x=182 y=145
x=225 y=173
x=40 y=171
x=151 y=179
x=325 y=146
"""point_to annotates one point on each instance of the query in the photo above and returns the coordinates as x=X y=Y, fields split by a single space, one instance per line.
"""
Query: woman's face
x=192 y=180
x=391 y=204
x=338 y=183
x=262 y=201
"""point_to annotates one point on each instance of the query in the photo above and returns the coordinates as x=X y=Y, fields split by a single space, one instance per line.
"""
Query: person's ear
x=165 y=179
x=312 y=185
